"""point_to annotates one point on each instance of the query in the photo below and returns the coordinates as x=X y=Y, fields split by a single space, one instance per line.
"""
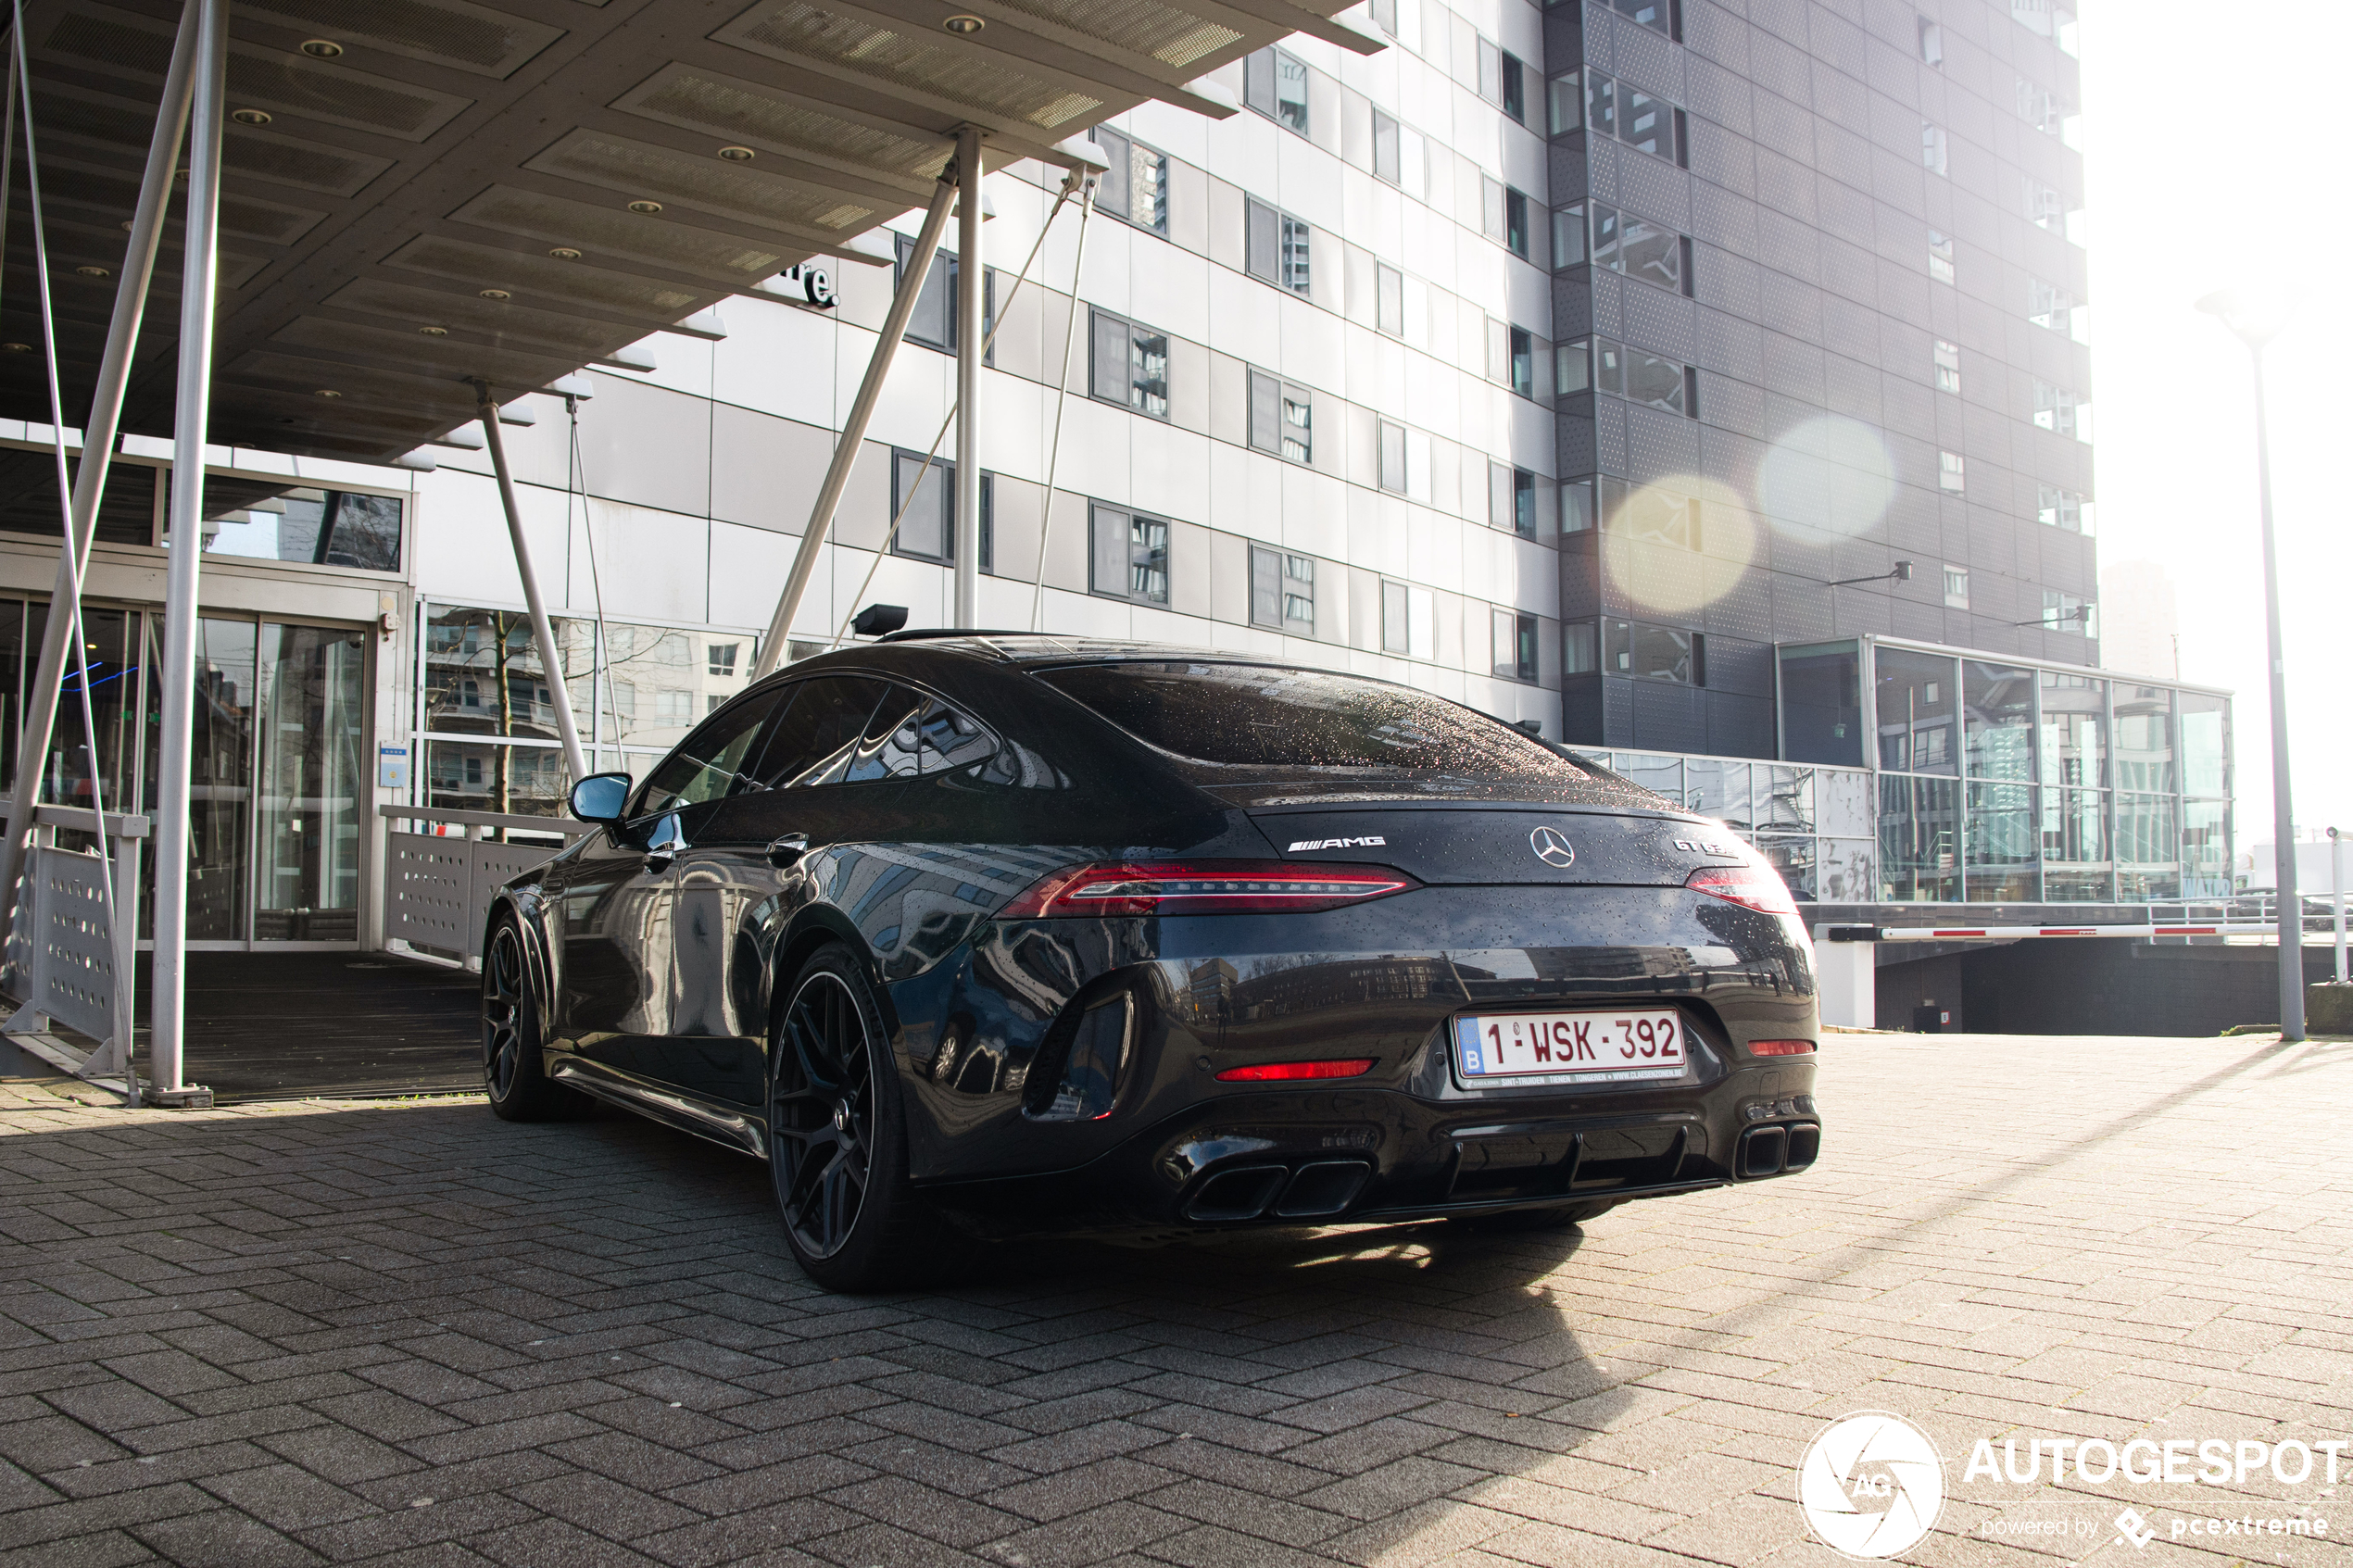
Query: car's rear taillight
x=1780 y=1047
x=1288 y=1071
x=1755 y=886
x=1200 y=887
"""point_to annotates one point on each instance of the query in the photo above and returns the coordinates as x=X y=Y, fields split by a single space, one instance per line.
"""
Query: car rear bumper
x=1328 y=1154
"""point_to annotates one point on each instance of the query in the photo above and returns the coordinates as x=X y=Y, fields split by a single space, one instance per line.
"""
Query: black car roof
x=1037 y=647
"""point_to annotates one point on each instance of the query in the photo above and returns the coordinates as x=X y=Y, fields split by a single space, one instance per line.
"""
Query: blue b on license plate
x=1617 y=1046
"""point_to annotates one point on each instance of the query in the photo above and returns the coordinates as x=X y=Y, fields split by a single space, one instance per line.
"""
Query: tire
x=513 y=1071
x=837 y=1139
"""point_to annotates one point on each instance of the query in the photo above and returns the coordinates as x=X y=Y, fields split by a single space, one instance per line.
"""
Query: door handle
x=786 y=852
x=663 y=848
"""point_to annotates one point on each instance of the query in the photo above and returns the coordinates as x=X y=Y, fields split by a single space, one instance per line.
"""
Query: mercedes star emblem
x=1552 y=848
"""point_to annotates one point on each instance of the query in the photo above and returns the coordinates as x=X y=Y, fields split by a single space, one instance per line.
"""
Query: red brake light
x=1756 y=886
x=1780 y=1047
x=1352 y=1067
x=1200 y=887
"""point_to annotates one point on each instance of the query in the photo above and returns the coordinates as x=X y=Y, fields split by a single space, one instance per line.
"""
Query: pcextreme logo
x=1871 y=1485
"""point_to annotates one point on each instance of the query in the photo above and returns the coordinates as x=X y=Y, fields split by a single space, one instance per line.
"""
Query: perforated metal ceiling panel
x=471 y=169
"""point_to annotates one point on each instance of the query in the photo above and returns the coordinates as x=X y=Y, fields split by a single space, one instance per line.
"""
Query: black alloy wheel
x=821 y=1129
x=512 y=1073
x=836 y=1143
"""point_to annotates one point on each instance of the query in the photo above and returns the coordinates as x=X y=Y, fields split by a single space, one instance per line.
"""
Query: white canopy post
x=544 y=635
x=853 y=432
x=193 y=404
x=969 y=353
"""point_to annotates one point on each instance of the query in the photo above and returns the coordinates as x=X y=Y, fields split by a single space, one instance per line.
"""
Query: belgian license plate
x=1619 y=1045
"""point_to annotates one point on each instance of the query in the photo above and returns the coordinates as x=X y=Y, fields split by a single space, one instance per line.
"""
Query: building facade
x=1570 y=363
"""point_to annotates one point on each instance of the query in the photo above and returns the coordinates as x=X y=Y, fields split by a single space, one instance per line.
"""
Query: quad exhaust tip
x=1314 y=1191
x=1775 y=1150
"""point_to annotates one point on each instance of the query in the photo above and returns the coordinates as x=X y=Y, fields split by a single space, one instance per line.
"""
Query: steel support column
x=970 y=273
x=97 y=452
x=175 y=741
x=853 y=433
x=541 y=632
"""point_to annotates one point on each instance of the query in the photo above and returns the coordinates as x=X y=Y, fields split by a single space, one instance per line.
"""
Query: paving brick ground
x=412 y=1334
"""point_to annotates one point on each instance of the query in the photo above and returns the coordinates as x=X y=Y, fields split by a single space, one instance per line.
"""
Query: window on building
x=1651 y=513
x=1276 y=246
x=1490 y=73
x=1951 y=477
x=1568 y=236
x=1490 y=209
x=1580 y=647
x=1956 y=588
x=1521 y=361
x=2044 y=110
x=1385 y=16
x=2063 y=510
x=1385 y=165
x=1513 y=637
x=1931 y=42
x=1623 y=242
x=932 y=322
x=1640 y=120
x=1940 y=257
x=1514 y=97
x=989 y=523
x=1572 y=367
x=1392 y=456
x=1653 y=13
x=1282 y=591
x=1935 y=152
x=2069 y=613
x=1654 y=653
x=1408 y=619
x=1275 y=84
x=1564 y=104
x=1130 y=365
x=922 y=500
x=1129 y=555
x=1948 y=366
x=2044 y=205
x=2052 y=308
x=2058 y=408
x=1281 y=418
x=723 y=656
x=1389 y=300
x=1640 y=376
x=1511 y=499
x=1515 y=225
x=1134 y=186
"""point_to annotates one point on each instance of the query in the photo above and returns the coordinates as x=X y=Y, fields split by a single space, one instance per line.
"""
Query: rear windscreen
x=1257 y=715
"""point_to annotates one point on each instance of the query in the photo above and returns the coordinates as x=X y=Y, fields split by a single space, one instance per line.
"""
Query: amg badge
x=1335 y=843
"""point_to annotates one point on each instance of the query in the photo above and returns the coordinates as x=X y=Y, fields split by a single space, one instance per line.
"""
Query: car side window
x=819 y=733
x=711 y=763
x=948 y=738
x=890 y=747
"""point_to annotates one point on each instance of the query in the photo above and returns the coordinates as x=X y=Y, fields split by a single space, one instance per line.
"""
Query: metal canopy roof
x=399 y=165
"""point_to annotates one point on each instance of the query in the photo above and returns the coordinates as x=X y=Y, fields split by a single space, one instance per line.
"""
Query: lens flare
x=1832 y=473
x=1678 y=546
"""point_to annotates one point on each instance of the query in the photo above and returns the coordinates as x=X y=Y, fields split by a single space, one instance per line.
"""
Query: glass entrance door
x=308 y=808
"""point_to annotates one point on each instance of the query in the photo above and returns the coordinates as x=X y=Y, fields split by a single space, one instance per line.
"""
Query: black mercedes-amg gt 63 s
x=990 y=935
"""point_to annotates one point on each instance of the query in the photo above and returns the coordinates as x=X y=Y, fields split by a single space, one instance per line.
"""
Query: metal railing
x=437 y=885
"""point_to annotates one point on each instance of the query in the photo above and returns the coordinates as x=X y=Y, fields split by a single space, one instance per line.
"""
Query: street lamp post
x=2255 y=329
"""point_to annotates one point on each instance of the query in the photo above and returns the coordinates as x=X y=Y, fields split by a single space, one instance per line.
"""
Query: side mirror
x=600 y=797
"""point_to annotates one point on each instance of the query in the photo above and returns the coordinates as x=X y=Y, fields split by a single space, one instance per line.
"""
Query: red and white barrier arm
x=1829 y=933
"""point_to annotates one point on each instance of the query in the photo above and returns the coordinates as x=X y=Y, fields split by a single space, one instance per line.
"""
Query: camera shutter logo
x=1871 y=1485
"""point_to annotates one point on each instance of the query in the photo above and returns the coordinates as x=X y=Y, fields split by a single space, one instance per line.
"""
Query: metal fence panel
x=428 y=891
x=73 y=958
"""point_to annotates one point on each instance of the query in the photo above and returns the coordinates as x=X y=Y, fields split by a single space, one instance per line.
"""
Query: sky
x=2214 y=158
